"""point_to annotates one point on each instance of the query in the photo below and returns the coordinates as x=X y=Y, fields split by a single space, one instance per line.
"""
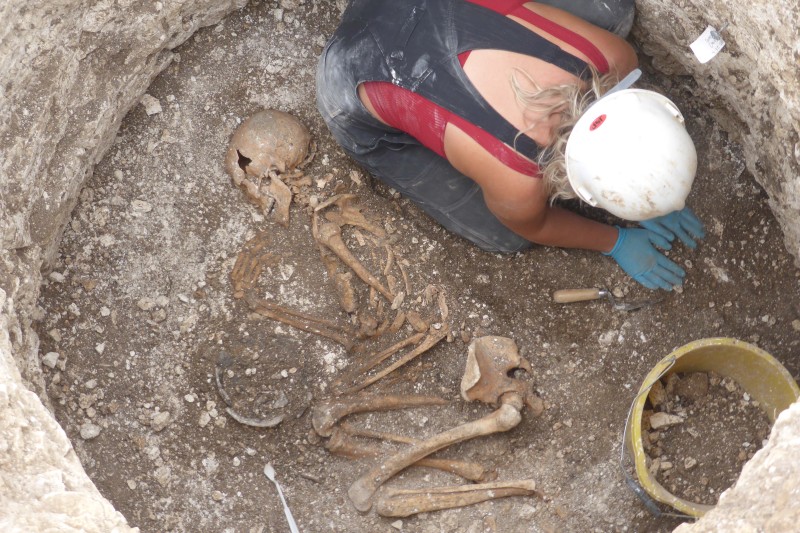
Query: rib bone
x=325 y=415
x=399 y=503
x=429 y=342
x=377 y=359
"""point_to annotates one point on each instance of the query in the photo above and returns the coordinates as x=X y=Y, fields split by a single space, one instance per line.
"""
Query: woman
x=466 y=107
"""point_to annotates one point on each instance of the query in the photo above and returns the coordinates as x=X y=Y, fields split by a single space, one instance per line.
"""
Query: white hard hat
x=631 y=155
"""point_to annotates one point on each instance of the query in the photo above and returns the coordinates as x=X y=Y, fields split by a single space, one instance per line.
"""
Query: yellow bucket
x=756 y=371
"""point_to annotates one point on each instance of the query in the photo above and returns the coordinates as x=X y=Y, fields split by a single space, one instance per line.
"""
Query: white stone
x=50 y=359
x=151 y=104
x=160 y=420
x=660 y=420
x=89 y=431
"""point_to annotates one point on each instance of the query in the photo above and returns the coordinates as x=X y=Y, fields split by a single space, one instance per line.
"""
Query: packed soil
x=717 y=427
x=140 y=310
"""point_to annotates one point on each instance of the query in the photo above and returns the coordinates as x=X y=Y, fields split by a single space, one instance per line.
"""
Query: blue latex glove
x=636 y=254
x=682 y=223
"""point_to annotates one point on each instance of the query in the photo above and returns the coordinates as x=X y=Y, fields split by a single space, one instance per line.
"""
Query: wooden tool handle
x=566 y=296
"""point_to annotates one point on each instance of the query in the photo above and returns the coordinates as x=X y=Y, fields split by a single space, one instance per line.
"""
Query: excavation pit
x=138 y=305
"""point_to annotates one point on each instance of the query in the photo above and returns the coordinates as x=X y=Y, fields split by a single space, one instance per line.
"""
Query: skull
x=269 y=140
x=266 y=145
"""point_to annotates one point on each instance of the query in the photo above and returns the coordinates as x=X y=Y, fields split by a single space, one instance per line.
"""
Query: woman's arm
x=520 y=201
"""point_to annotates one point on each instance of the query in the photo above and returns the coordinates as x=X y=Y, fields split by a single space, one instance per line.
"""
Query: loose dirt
x=720 y=428
x=140 y=308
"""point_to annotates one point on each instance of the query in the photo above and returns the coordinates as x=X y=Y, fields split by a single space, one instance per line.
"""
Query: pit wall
x=69 y=72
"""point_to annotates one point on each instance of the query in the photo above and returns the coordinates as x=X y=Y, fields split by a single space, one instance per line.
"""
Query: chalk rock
x=661 y=420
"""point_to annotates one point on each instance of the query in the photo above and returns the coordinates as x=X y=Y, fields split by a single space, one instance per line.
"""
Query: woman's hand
x=635 y=252
x=682 y=223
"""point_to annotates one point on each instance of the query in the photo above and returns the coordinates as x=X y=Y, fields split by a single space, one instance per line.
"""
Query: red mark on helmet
x=596 y=123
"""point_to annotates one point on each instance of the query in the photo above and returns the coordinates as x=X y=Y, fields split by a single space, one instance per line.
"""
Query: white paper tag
x=707 y=45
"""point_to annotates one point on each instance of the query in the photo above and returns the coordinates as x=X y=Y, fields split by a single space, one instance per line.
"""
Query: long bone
x=405 y=502
x=351 y=430
x=429 y=342
x=489 y=362
x=341 y=443
x=302 y=321
x=330 y=235
x=377 y=359
x=325 y=415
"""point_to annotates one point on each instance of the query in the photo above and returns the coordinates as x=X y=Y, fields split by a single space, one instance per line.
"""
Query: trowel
x=565 y=296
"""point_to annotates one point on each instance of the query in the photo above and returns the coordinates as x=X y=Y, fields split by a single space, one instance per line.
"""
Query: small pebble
x=397 y=524
x=145 y=304
x=217 y=496
x=151 y=104
x=89 y=431
x=160 y=421
x=50 y=359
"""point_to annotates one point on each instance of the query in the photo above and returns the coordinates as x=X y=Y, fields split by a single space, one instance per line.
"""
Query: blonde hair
x=570 y=101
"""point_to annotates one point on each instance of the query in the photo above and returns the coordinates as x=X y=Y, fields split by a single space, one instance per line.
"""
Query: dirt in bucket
x=703 y=429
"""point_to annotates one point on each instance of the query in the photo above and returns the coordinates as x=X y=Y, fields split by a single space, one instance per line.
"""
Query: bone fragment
x=249 y=264
x=341 y=281
x=367 y=326
x=389 y=259
x=443 y=310
x=342 y=444
x=383 y=327
x=398 y=322
x=391 y=281
x=399 y=503
x=255 y=422
x=417 y=322
x=359 y=237
x=333 y=200
x=398 y=300
x=490 y=361
x=506 y=417
x=302 y=321
x=429 y=292
x=349 y=214
x=402 y=264
x=325 y=415
x=283 y=198
x=376 y=359
x=429 y=342
x=330 y=235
